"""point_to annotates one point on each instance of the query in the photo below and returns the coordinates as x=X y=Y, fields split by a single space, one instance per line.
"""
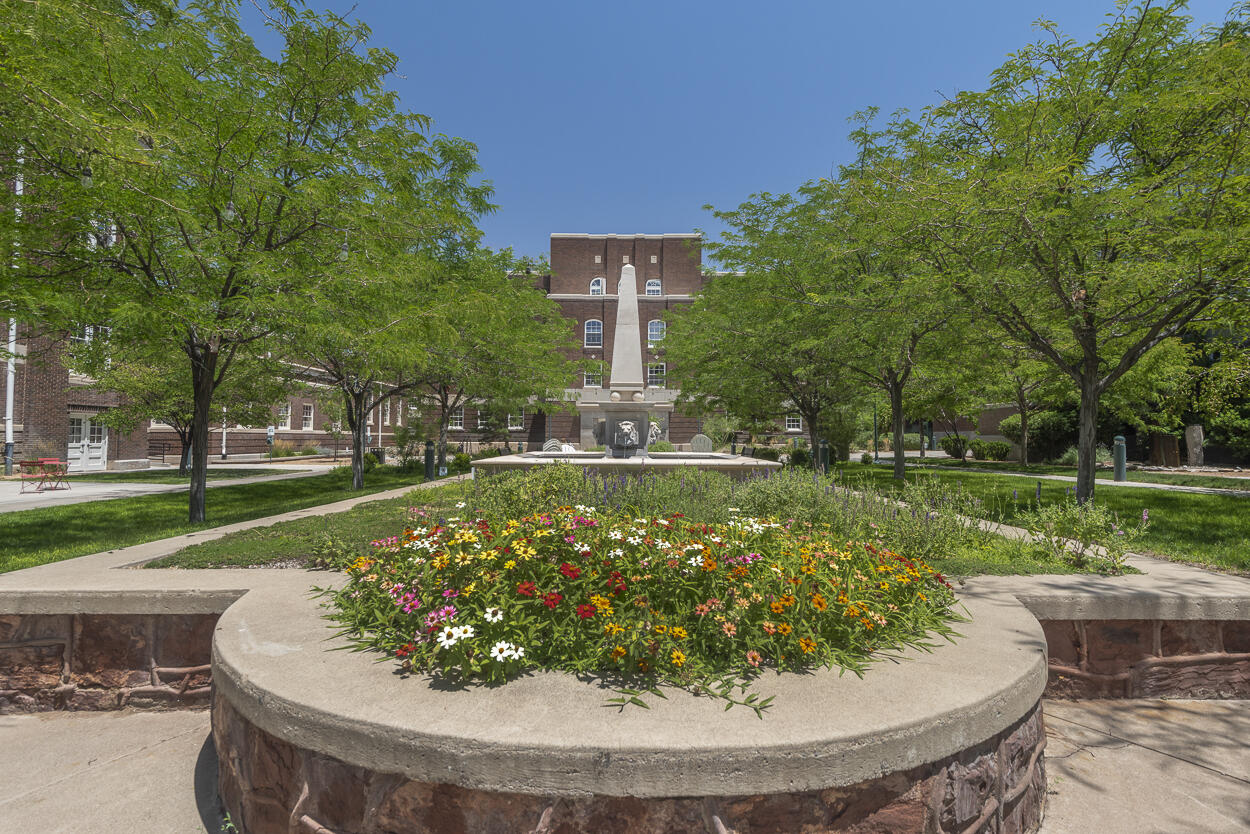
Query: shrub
x=866 y=458
x=1084 y=535
x=1010 y=428
x=955 y=445
x=801 y=457
x=1051 y=433
x=989 y=449
x=1069 y=457
x=912 y=442
x=639 y=600
x=661 y=446
x=308 y=451
x=370 y=461
x=460 y=462
x=282 y=449
x=765 y=453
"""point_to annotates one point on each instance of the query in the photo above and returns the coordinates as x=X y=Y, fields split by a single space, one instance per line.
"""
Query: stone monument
x=625 y=411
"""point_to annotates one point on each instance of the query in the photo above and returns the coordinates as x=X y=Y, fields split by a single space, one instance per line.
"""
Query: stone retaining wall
x=1148 y=658
x=104 y=661
x=269 y=785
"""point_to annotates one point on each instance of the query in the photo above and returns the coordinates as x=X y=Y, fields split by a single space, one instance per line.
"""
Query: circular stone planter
x=946 y=742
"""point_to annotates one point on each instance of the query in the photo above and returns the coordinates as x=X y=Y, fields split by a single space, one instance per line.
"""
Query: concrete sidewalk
x=12 y=499
x=1115 y=767
x=1148 y=767
x=87 y=773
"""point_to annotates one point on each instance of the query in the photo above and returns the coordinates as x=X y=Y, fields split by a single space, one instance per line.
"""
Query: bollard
x=822 y=461
x=1121 y=458
x=429 y=460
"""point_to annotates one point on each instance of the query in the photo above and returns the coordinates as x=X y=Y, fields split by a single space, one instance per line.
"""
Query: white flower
x=715 y=539
x=460 y=505
x=462 y=632
x=517 y=652
x=616 y=554
x=734 y=510
x=640 y=521
x=493 y=615
x=582 y=547
x=616 y=535
x=634 y=540
x=501 y=651
x=447 y=637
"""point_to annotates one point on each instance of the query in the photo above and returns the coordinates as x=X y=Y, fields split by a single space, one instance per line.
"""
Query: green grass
x=1204 y=529
x=1174 y=478
x=166 y=476
x=298 y=541
x=50 y=534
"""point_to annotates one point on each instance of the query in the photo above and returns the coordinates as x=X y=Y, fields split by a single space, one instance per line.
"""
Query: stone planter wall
x=270 y=786
x=104 y=661
x=1148 y=658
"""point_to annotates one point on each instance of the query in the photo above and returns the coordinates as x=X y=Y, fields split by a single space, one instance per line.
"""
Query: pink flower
x=753 y=657
x=729 y=628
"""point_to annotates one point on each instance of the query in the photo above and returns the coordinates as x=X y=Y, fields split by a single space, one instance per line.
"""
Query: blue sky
x=629 y=117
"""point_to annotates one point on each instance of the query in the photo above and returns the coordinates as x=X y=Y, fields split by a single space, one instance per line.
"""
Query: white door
x=88 y=444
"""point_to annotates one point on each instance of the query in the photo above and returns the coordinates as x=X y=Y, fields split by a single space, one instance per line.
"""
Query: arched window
x=594 y=333
x=596 y=286
x=655 y=332
x=653 y=286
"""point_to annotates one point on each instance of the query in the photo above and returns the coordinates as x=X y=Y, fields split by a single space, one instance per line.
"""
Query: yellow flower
x=807 y=644
x=510 y=564
x=784 y=628
x=618 y=652
x=661 y=629
x=677 y=657
x=678 y=633
x=612 y=629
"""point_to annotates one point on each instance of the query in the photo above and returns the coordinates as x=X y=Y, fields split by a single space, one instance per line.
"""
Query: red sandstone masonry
x=270 y=786
x=104 y=661
x=1148 y=658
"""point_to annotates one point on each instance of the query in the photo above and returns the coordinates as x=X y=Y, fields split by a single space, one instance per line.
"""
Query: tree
x=1089 y=202
x=261 y=182
x=505 y=342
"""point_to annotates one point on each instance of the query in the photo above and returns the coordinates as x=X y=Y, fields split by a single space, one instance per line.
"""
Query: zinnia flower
x=807 y=644
x=447 y=637
x=493 y=615
x=729 y=628
x=753 y=657
x=501 y=651
x=526 y=589
x=586 y=611
x=552 y=600
x=570 y=571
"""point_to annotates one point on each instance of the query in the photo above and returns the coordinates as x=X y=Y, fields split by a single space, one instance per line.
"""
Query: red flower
x=551 y=600
x=570 y=571
x=526 y=589
x=405 y=650
x=585 y=611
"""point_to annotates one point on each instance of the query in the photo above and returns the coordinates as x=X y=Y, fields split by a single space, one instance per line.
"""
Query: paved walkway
x=1148 y=767
x=1115 y=767
x=12 y=499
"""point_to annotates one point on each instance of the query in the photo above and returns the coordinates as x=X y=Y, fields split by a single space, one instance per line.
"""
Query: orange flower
x=807 y=644
x=819 y=602
x=784 y=628
x=618 y=653
x=777 y=607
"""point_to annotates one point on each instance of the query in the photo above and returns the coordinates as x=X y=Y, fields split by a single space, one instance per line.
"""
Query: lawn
x=50 y=534
x=1175 y=478
x=1204 y=529
x=168 y=476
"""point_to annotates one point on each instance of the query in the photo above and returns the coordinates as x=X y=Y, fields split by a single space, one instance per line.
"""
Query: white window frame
x=654 y=284
x=662 y=376
x=794 y=423
x=516 y=422
x=593 y=379
x=284 y=416
x=386 y=412
x=655 y=259
x=481 y=418
x=652 y=339
x=455 y=420
x=596 y=286
x=586 y=334
x=306 y=417
x=598 y=259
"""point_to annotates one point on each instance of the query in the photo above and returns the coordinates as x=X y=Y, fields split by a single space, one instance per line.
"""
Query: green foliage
x=1051 y=433
x=661 y=446
x=866 y=458
x=370 y=461
x=989 y=449
x=912 y=442
x=801 y=457
x=1010 y=428
x=955 y=445
x=1085 y=535
x=640 y=601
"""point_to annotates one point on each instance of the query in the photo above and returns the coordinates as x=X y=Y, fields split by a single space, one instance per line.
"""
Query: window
x=794 y=424
x=598 y=259
x=653 y=286
x=594 y=333
x=655 y=374
x=399 y=411
x=284 y=416
x=386 y=413
x=96 y=433
x=307 y=422
x=516 y=422
x=87 y=333
x=624 y=259
x=455 y=420
x=593 y=379
x=483 y=420
x=596 y=286
x=655 y=332
x=655 y=259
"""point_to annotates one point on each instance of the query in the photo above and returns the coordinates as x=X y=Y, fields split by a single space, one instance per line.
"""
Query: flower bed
x=638 y=600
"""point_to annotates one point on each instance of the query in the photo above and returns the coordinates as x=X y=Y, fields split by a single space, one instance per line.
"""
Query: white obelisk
x=627 y=344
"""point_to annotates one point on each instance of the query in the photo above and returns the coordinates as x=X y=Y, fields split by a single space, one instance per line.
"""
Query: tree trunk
x=184 y=457
x=1086 y=447
x=203 y=373
x=442 y=441
x=1024 y=437
x=355 y=406
x=896 y=415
